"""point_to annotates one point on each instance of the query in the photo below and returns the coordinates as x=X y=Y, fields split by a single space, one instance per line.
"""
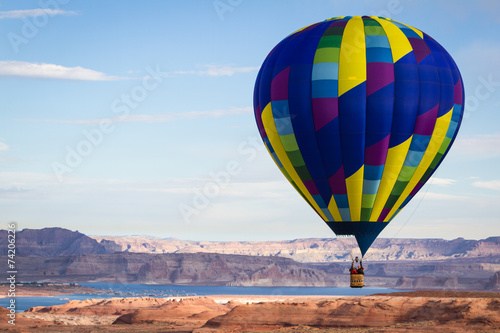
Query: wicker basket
x=357 y=280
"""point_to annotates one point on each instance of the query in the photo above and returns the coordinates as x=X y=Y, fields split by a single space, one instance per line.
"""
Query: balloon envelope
x=358 y=112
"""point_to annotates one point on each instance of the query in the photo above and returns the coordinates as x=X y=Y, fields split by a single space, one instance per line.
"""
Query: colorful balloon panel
x=358 y=112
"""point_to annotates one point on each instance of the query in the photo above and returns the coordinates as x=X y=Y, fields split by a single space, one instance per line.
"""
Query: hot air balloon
x=358 y=112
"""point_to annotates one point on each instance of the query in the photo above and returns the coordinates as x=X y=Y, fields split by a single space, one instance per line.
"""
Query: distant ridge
x=50 y=242
x=57 y=254
x=317 y=249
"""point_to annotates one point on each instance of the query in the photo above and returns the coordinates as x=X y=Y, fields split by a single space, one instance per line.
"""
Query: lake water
x=141 y=290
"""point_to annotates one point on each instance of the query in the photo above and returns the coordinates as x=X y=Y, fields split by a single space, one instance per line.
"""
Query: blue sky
x=128 y=117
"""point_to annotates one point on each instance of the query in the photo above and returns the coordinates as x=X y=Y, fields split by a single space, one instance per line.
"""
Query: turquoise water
x=138 y=290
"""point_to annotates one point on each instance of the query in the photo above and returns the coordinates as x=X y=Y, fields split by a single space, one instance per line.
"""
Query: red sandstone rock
x=416 y=311
x=113 y=306
x=368 y=311
x=192 y=312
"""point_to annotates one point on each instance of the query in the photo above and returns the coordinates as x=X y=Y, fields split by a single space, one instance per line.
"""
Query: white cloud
x=17 y=179
x=51 y=71
x=168 y=117
x=157 y=118
x=478 y=146
x=24 y=184
x=442 y=181
x=218 y=70
x=232 y=190
x=492 y=184
x=272 y=190
x=441 y=196
x=15 y=14
x=3 y=146
x=46 y=186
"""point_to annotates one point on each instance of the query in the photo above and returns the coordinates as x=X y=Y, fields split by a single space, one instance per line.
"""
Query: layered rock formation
x=49 y=242
x=428 y=282
x=186 y=268
x=236 y=270
x=56 y=254
x=494 y=282
x=319 y=249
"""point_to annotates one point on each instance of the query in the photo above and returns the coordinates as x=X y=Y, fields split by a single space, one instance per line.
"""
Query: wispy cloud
x=156 y=118
x=4 y=146
x=277 y=190
x=14 y=184
x=479 y=146
x=218 y=70
x=442 y=181
x=492 y=184
x=12 y=190
x=12 y=68
x=16 y=14
x=441 y=196
x=51 y=71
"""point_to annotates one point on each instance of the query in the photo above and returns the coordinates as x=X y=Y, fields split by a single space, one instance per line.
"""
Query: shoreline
x=58 y=289
x=47 y=290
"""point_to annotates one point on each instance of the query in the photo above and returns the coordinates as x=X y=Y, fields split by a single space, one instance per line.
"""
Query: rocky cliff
x=50 y=242
x=320 y=249
x=494 y=282
x=238 y=270
x=186 y=268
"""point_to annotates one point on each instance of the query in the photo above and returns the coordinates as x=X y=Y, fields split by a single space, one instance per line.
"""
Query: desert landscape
x=401 y=312
x=457 y=285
